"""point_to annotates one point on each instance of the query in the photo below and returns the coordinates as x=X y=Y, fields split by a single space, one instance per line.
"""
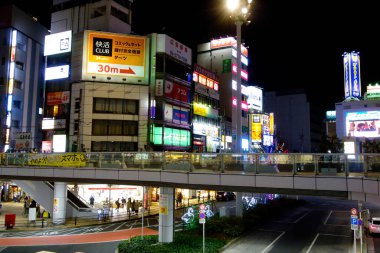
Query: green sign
x=226 y=66
x=171 y=136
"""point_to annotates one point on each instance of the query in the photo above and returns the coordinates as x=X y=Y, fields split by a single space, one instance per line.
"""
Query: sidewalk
x=23 y=223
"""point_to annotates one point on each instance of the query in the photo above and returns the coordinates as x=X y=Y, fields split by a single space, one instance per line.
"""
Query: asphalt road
x=323 y=225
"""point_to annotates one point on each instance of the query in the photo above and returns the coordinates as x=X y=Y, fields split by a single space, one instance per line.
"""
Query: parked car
x=225 y=196
x=374 y=225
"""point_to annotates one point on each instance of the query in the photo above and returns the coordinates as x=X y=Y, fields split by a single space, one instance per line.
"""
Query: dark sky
x=292 y=44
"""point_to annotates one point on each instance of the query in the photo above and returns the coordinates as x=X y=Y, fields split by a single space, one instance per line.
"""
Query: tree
x=332 y=144
x=371 y=146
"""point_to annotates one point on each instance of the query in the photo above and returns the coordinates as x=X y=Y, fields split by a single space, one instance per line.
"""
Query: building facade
x=21 y=80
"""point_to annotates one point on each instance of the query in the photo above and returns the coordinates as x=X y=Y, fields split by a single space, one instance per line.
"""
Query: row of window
x=201 y=99
x=116 y=106
x=101 y=127
x=114 y=146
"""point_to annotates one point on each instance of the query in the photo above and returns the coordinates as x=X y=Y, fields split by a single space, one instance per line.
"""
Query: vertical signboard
x=352 y=83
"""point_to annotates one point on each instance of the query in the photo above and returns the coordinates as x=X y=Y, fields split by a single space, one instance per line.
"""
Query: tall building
x=170 y=94
x=206 y=120
x=100 y=103
x=293 y=119
x=220 y=57
x=21 y=79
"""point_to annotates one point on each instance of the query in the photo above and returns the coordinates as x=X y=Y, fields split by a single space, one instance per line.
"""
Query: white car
x=374 y=225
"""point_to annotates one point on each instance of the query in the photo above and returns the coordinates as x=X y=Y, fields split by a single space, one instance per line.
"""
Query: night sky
x=292 y=44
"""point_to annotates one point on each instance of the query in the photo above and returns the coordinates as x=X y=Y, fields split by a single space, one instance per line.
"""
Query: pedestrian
x=123 y=203
x=129 y=205
x=92 y=201
x=179 y=199
x=117 y=205
x=133 y=206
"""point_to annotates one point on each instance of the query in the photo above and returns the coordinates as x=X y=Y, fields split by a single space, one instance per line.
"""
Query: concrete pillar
x=59 y=203
x=166 y=215
x=239 y=204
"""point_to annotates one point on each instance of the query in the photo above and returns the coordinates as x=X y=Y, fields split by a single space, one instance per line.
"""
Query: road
x=323 y=225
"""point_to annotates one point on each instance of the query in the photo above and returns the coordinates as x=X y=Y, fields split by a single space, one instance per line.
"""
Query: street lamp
x=239 y=12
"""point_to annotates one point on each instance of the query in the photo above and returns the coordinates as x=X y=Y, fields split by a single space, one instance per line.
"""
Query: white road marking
x=312 y=243
x=328 y=217
x=122 y=224
x=297 y=220
x=269 y=247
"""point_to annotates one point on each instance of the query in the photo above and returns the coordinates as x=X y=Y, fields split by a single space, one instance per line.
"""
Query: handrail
x=364 y=164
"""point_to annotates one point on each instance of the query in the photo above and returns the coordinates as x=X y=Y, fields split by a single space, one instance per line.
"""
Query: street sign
x=202 y=207
x=354 y=211
x=202 y=217
x=354 y=223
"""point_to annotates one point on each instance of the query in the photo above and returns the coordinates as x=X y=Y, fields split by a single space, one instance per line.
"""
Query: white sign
x=53 y=123
x=159 y=87
x=255 y=98
x=57 y=72
x=58 y=43
x=173 y=48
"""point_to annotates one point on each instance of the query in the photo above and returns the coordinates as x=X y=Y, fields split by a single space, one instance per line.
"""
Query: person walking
x=117 y=205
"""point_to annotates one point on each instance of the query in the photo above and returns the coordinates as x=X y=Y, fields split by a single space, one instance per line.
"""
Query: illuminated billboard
x=256 y=129
x=255 y=98
x=176 y=114
x=57 y=43
x=205 y=111
x=177 y=91
x=57 y=72
x=351 y=67
x=115 y=57
x=175 y=49
x=170 y=136
x=57 y=98
x=363 y=124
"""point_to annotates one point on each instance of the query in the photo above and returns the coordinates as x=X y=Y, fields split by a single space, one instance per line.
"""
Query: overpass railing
x=252 y=163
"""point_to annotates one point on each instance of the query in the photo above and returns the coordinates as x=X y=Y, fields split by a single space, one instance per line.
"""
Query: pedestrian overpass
x=351 y=176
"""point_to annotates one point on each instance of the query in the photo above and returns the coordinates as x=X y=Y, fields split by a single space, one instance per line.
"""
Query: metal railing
x=243 y=163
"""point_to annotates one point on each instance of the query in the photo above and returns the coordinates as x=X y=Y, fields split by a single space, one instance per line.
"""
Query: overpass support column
x=59 y=203
x=166 y=215
x=239 y=204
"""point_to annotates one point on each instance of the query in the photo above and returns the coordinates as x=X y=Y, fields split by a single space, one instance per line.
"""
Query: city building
x=106 y=85
x=206 y=121
x=170 y=94
x=294 y=125
x=21 y=80
x=220 y=56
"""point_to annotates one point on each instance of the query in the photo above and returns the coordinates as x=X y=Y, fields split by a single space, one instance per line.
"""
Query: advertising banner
x=175 y=49
x=256 y=130
x=119 y=57
x=57 y=160
x=23 y=141
x=57 y=72
x=177 y=91
x=355 y=75
x=180 y=116
x=57 y=43
x=205 y=111
x=57 y=98
x=346 y=76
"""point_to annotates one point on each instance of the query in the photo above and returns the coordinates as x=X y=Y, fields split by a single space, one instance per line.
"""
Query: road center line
x=267 y=248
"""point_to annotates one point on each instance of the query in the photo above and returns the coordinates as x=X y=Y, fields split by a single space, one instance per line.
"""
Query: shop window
x=17 y=104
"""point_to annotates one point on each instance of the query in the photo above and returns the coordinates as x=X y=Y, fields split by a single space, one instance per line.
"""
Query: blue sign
x=354 y=221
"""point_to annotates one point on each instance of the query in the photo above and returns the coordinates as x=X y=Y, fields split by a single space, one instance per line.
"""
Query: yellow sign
x=113 y=54
x=163 y=210
x=58 y=160
x=200 y=109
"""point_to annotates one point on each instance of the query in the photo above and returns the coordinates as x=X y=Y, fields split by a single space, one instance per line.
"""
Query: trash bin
x=10 y=220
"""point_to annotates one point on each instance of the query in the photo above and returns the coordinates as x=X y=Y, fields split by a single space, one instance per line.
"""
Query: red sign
x=177 y=91
x=56 y=98
x=354 y=211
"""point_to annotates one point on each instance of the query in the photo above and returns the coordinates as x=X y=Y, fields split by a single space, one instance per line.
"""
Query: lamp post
x=239 y=12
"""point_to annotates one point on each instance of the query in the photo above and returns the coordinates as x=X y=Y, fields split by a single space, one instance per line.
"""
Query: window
x=98 y=12
x=114 y=127
x=19 y=65
x=115 y=146
x=17 y=104
x=116 y=106
x=15 y=123
x=17 y=84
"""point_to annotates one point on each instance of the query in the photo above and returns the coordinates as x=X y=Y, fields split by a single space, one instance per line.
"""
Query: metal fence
x=256 y=163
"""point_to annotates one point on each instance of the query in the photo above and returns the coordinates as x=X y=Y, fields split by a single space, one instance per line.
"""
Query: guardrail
x=254 y=163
